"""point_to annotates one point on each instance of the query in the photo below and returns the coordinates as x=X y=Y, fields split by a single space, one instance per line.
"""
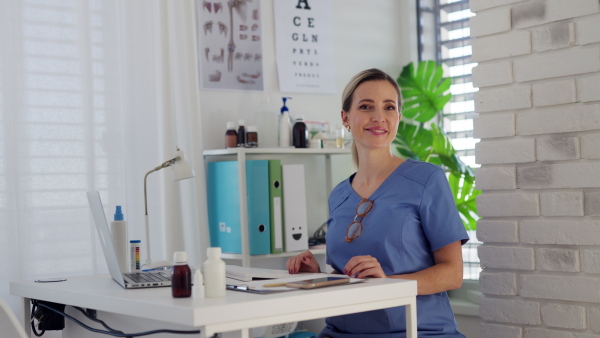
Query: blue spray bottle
x=285 y=125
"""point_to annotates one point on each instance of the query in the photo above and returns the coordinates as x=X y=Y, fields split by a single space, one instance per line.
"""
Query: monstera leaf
x=423 y=90
x=464 y=191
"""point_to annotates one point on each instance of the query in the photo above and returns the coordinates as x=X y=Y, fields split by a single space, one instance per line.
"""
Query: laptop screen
x=104 y=236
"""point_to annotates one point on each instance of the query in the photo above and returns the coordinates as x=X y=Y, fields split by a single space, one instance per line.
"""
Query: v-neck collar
x=382 y=187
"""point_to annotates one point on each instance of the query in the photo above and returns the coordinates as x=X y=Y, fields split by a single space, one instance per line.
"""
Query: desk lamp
x=181 y=170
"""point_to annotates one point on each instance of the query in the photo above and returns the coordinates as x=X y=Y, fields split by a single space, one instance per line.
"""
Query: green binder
x=276 y=206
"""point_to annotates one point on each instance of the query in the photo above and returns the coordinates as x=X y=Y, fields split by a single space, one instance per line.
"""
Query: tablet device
x=318 y=282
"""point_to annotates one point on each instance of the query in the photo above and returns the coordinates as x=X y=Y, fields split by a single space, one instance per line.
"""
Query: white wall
x=539 y=124
x=367 y=34
x=374 y=33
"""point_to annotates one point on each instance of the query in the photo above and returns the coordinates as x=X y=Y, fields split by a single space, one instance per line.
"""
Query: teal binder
x=276 y=206
x=224 y=206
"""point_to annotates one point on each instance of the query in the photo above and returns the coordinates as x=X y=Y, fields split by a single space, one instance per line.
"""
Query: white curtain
x=94 y=94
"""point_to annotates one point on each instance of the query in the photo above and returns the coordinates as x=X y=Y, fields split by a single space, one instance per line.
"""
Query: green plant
x=420 y=138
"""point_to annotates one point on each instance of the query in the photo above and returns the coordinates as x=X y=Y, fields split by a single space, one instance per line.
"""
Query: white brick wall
x=572 y=61
x=562 y=203
x=560 y=287
x=490 y=152
x=534 y=13
x=589 y=145
x=499 y=283
x=539 y=124
x=506 y=257
x=501 y=331
x=557 y=148
x=494 y=125
x=500 y=177
x=510 y=311
x=554 y=93
x=501 y=46
x=587 y=30
x=564 y=316
x=496 y=20
x=562 y=231
x=504 y=98
x=492 y=74
x=577 y=117
x=492 y=231
x=588 y=88
x=557 y=259
x=553 y=36
x=508 y=204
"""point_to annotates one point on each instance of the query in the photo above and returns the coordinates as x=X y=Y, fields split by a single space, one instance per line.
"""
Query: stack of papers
x=247 y=274
x=266 y=281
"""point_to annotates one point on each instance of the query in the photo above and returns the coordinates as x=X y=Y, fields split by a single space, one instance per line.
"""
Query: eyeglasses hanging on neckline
x=355 y=228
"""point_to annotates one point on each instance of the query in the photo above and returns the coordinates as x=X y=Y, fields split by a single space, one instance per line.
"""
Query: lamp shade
x=181 y=169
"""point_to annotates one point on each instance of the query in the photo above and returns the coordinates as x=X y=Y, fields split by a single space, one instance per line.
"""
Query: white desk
x=238 y=311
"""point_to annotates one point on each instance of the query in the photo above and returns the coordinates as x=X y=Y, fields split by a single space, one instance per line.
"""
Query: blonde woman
x=393 y=218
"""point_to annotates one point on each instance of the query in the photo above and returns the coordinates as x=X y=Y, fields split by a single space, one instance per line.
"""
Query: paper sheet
x=258 y=286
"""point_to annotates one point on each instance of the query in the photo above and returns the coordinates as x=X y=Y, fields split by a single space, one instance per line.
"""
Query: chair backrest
x=9 y=324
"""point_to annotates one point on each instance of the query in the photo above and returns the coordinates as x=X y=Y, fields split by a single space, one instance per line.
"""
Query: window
x=53 y=103
x=444 y=36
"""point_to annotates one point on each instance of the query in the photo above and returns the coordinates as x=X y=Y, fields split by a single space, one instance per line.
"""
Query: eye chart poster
x=230 y=44
x=304 y=44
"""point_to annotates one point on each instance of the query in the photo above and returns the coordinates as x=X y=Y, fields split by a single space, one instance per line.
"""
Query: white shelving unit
x=241 y=155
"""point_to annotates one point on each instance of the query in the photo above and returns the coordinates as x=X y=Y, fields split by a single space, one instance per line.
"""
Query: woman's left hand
x=364 y=266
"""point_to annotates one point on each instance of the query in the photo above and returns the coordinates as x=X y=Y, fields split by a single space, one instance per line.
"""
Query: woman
x=393 y=218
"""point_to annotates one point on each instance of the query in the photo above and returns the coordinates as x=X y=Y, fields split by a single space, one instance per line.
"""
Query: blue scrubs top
x=413 y=215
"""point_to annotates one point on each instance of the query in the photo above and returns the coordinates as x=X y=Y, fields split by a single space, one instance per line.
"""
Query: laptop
x=133 y=280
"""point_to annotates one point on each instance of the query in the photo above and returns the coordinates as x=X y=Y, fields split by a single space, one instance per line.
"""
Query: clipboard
x=266 y=286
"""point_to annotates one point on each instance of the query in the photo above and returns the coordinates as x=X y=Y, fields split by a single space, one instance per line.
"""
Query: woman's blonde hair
x=372 y=74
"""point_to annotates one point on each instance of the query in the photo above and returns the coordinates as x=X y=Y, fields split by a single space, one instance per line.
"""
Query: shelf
x=280 y=151
x=280 y=255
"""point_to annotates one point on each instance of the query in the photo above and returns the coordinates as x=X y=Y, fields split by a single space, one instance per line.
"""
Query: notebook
x=133 y=280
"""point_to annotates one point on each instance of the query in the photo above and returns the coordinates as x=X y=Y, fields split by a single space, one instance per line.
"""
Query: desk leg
x=27 y=316
x=411 y=319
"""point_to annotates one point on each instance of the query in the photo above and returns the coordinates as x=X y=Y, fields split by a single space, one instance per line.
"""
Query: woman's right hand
x=304 y=262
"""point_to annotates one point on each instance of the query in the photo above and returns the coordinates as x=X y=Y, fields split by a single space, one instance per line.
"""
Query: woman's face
x=373 y=117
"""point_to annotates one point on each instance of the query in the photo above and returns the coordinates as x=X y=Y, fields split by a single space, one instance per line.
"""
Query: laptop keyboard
x=149 y=277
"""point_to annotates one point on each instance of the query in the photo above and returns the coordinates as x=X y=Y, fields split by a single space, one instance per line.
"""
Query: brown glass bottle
x=252 y=137
x=181 y=276
x=231 y=137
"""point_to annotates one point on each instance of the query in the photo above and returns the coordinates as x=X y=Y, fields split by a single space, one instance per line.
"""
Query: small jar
x=251 y=137
x=300 y=134
x=181 y=276
x=231 y=137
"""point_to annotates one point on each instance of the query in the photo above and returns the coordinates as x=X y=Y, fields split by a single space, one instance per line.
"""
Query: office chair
x=11 y=328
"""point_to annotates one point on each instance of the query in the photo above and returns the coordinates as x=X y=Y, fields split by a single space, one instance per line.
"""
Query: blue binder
x=224 y=206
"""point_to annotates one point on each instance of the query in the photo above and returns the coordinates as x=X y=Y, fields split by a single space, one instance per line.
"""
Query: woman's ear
x=344 y=117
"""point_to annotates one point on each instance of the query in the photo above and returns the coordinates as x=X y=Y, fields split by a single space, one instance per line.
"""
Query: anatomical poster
x=304 y=44
x=230 y=44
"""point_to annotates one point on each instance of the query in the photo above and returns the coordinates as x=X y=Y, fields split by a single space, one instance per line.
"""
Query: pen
x=274 y=285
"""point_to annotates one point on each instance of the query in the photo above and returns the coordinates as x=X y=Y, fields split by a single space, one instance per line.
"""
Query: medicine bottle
x=300 y=134
x=181 y=276
x=118 y=234
x=214 y=274
x=241 y=134
x=252 y=137
x=231 y=137
x=285 y=125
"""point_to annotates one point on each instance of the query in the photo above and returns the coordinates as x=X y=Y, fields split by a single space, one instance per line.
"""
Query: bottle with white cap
x=214 y=274
x=198 y=288
x=181 y=276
